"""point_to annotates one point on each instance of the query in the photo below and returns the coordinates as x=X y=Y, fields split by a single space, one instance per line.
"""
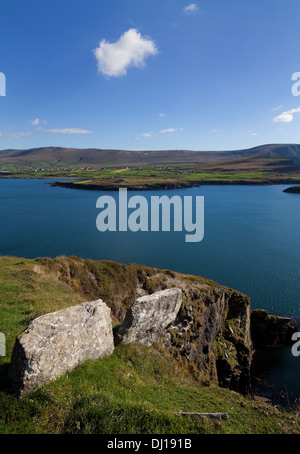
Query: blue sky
x=149 y=74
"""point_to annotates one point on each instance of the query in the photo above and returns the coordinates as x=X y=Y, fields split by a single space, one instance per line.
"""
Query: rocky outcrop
x=270 y=331
x=208 y=328
x=212 y=334
x=292 y=190
x=149 y=316
x=58 y=342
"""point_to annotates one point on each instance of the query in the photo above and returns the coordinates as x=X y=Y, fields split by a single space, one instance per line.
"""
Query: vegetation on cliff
x=137 y=389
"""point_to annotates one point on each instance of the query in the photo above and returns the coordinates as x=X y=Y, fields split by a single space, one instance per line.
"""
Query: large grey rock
x=149 y=316
x=58 y=342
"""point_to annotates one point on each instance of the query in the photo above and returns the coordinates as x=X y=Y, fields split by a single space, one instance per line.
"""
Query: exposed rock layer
x=212 y=334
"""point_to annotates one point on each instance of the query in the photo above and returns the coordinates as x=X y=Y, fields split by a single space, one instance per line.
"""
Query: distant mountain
x=105 y=157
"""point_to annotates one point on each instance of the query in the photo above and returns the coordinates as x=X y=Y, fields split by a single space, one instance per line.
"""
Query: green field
x=241 y=171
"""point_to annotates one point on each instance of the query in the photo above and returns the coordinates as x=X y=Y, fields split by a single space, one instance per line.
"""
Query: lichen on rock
x=58 y=342
x=149 y=316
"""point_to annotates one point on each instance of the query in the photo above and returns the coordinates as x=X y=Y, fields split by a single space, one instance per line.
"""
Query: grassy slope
x=137 y=389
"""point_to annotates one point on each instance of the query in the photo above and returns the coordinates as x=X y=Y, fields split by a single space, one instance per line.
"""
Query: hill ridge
x=117 y=157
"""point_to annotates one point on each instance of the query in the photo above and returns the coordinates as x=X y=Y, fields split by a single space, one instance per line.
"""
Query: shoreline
x=166 y=186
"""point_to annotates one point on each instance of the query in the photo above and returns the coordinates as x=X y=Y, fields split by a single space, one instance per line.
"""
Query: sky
x=149 y=74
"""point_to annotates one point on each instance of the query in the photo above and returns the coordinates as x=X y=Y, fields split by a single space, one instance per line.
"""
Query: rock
x=215 y=416
x=293 y=190
x=270 y=331
x=148 y=318
x=262 y=399
x=58 y=342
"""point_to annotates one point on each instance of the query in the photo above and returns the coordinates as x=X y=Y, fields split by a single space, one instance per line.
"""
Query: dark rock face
x=58 y=342
x=234 y=359
x=212 y=334
x=270 y=331
x=293 y=190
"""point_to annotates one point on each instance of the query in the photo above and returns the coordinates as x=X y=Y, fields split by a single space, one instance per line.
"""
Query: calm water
x=251 y=242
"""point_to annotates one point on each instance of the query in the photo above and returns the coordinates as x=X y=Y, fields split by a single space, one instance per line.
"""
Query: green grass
x=136 y=390
x=26 y=294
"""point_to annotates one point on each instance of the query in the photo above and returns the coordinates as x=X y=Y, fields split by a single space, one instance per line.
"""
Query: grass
x=137 y=389
x=26 y=294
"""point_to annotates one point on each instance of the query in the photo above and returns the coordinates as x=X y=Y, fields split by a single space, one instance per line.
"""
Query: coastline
x=165 y=186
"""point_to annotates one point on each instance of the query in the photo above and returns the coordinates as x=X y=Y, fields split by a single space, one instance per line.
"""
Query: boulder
x=58 y=342
x=148 y=318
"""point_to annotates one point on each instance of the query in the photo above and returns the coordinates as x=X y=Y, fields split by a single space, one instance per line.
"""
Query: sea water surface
x=251 y=241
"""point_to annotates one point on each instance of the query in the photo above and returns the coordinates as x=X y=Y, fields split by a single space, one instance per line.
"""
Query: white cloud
x=147 y=134
x=130 y=50
x=254 y=134
x=175 y=24
x=286 y=117
x=275 y=109
x=15 y=135
x=191 y=8
x=67 y=131
x=170 y=130
x=35 y=122
x=161 y=115
x=214 y=131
